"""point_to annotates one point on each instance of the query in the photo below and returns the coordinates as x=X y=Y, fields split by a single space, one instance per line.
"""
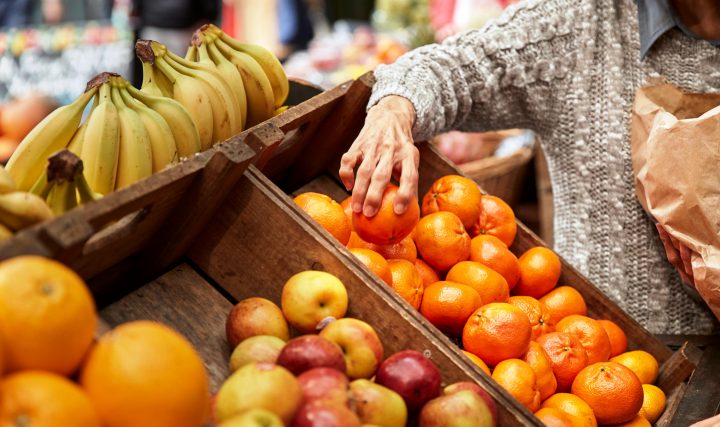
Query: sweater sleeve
x=513 y=73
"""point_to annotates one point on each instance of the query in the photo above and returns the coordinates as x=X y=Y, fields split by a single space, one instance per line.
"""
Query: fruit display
x=19 y=209
x=507 y=312
x=18 y=117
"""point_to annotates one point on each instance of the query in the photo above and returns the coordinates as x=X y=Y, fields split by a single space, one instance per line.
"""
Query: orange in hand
x=376 y=263
x=441 y=240
x=491 y=286
x=552 y=417
x=536 y=313
x=386 y=227
x=618 y=339
x=580 y=412
x=490 y=251
x=447 y=305
x=564 y=301
x=428 y=275
x=518 y=378
x=539 y=272
x=406 y=281
x=613 y=392
x=591 y=335
x=496 y=219
x=478 y=361
x=497 y=331
x=541 y=364
x=326 y=212
x=567 y=355
x=456 y=194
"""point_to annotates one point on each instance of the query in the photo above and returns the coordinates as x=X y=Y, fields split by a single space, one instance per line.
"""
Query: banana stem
x=191 y=54
x=117 y=99
x=42 y=187
x=167 y=70
x=83 y=189
x=104 y=93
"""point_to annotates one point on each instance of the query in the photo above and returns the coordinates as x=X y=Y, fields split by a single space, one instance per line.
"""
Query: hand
x=710 y=422
x=678 y=255
x=384 y=148
x=52 y=11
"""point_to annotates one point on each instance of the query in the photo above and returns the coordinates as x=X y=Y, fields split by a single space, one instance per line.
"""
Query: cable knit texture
x=569 y=70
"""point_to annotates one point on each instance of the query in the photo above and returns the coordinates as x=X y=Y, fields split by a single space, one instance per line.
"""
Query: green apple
x=361 y=346
x=311 y=296
x=461 y=409
x=260 y=348
x=254 y=418
x=255 y=316
x=375 y=404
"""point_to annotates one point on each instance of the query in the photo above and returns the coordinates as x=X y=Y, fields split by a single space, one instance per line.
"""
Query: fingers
x=672 y=254
x=408 y=181
x=362 y=180
x=709 y=422
x=347 y=167
x=379 y=181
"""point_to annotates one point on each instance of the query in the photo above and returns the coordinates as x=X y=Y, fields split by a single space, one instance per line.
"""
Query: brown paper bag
x=675 y=143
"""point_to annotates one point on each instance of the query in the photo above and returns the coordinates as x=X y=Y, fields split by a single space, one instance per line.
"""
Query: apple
x=324 y=384
x=359 y=343
x=255 y=316
x=467 y=385
x=375 y=404
x=463 y=408
x=259 y=385
x=311 y=351
x=322 y=413
x=412 y=376
x=310 y=296
x=254 y=418
x=259 y=349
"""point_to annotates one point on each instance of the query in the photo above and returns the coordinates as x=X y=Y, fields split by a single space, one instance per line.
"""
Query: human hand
x=52 y=11
x=383 y=149
x=678 y=255
x=710 y=422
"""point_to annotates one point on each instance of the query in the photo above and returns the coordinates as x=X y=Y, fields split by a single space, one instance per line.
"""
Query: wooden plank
x=678 y=367
x=696 y=340
x=671 y=404
x=702 y=399
x=324 y=184
x=301 y=91
x=183 y=300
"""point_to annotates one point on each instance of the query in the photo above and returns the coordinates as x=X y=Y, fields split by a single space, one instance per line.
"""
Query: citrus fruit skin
x=552 y=417
x=653 y=402
x=618 y=339
x=542 y=365
x=428 y=275
x=441 y=240
x=564 y=301
x=496 y=219
x=478 y=361
x=497 y=331
x=518 y=378
x=567 y=355
x=580 y=412
x=386 y=227
x=375 y=262
x=642 y=363
x=492 y=252
x=539 y=272
x=491 y=286
x=536 y=313
x=406 y=281
x=456 y=194
x=612 y=391
x=448 y=305
x=326 y=212
x=591 y=335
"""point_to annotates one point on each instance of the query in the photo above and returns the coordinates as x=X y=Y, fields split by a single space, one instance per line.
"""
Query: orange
x=38 y=398
x=47 y=315
x=613 y=391
x=518 y=378
x=441 y=240
x=404 y=249
x=637 y=421
x=536 y=313
x=591 y=334
x=567 y=355
x=491 y=286
x=552 y=417
x=492 y=252
x=406 y=281
x=564 y=301
x=347 y=208
x=326 y=212
x=356 y=242
x=542 y=366
x=496 y=219
x=428 y=275
x=579 y=411
x=539 y=272
x=497 y=331
x=447 y=305
x=478 y=361
x=653 y=402
x=618 y=339
x=144 y=373
x=386 y=227
x=456 y=194
x=376 y=263
x=642 y=363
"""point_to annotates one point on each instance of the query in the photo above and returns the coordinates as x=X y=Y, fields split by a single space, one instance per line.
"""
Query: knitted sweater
x=569 y=70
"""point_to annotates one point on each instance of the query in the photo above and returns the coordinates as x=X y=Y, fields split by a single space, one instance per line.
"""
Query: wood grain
x=702 y=396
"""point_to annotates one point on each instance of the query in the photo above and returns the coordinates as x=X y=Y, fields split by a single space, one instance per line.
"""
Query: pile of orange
x=138 y=374
x=454 y=264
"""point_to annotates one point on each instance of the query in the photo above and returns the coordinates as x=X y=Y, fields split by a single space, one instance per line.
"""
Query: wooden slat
x=671 y=404
x=324 y=184
x=678 y=367
x=702 y=396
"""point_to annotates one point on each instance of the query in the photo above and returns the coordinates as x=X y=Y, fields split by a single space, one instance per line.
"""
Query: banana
x=231 y=75
x=7 y=184
x=50 y=135
x=151 y=84
x=5 y=233
x=75 y=145
x=182 y=124
x=135 y=159
x=20 y=209
x=101 y=144
x=280 y=110
x=84 y=192
x=162 y=142
x=191 y=54
x=62 y=197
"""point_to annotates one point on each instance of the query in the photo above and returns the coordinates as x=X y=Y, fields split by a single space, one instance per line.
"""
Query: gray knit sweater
x=569 y=69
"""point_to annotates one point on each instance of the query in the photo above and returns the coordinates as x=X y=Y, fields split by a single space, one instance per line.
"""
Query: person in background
x=172 y=22
x=294 y=25
x=14 y=13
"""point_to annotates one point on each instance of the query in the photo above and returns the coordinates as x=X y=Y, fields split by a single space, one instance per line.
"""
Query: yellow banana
x=75 y=145
x=20 y=209
x=182 y=124
x=151 y=83
x=7 y=184
x=84 y=192
x=50 y=135
x=135 y=159
x=62 y=197
x=232 y=76
x=101 y=144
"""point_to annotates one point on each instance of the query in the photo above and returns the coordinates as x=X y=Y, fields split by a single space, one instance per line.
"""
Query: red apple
x=359 y=343
x=463 y=408
x=412 y=376
x=325 y=414
x=324 y=384
x=255 y=316
x=311 y=351
x=467 y=385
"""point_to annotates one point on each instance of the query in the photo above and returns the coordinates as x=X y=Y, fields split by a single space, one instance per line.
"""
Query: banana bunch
x=63 y=184
x=18 y=209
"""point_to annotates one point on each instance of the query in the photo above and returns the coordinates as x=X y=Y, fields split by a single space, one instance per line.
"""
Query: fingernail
x=399 y=208
x=357 y=207
x=369 y=211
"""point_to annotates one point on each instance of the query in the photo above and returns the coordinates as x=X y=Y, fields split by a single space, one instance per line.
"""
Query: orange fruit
x=536 y=313
x=638 y=421
x=552 y=417
x=326 y=212
x=496 y=219
x=579 y=411
x=375 y=262
x=386 y=227
x=441 y=240
x=613 y=391
x=518 y=378
x=491 y=286
x=539 y=272
x=497 y=331
x=492 y=252
x=618 y=339
x=642 y=363
x=448 y=305
x=406 y=281
x=356 y=242
x=564 y=301
x=347 y=208
x=47 y=315
x=567 y=355
x=143 y=373
x=653 y=402
x=542 y=366
x=428 y=275
x=404 y=249
x=478 y=361
x=40 y=398
x=456 y=194
x=591 y=334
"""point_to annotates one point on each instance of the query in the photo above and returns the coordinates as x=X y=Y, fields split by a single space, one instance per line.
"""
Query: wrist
x=399 y=106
